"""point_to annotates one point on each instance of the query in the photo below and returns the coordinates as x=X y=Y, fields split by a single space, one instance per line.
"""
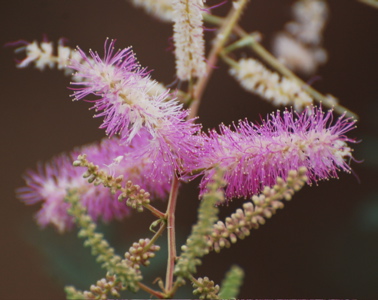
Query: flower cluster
x=100 y=290
x=157 y=142
x=141 y=252
x=154 y=144
x=254 y=155
x=205 y=288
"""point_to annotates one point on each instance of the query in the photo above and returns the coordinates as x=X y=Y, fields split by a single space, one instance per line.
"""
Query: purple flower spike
x=50 y=183
x=123 y=90
x=254 y=155
x=175 y=146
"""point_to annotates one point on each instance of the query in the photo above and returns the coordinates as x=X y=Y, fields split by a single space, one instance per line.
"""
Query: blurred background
x=324 y=244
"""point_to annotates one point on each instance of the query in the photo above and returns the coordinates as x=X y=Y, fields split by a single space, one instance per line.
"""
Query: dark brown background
x=323 y=244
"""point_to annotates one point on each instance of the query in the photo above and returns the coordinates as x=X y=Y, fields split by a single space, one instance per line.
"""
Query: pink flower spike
x=254 y=155
x=175 y=146
x=50 y=183
x=123 y=90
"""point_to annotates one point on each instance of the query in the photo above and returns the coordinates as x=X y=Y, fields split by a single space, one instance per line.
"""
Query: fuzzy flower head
x=255 y=155
x=51 y=182
x=122 y=90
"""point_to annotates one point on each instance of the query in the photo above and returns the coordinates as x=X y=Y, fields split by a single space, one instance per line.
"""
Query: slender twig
x=154 y=211
x=193 y=279
x=170 y=215
x=163 y=226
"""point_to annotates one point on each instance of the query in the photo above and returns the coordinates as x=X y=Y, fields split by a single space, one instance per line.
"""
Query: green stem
x=213 y=19
x=193 y=279
x=163 y=226
x=157 y=213
x=243 y=42
x=232 y=63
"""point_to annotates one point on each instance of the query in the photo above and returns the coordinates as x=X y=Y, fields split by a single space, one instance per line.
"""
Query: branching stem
x=163 y=226
x=174 y=288
x=157 y=213
x=151 y=291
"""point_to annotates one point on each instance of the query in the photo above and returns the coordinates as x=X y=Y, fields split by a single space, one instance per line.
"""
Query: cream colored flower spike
x=161 y=9
x=188 y=39
x=255 y=78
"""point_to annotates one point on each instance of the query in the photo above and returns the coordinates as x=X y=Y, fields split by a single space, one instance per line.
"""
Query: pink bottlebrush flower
x=174 y=146
x=123 y=90
x=50 y=183
x=254 y=155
